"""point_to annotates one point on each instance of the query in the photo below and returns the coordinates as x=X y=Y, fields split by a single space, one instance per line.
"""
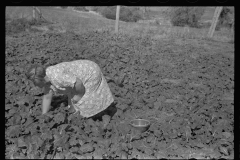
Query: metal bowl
x=141 y=125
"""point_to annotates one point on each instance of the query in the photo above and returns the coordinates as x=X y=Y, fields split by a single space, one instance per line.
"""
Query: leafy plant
x=187 y=120
x=190 y=16
x=19 y=25
x=127 y=14
x=64 y=7
x=225 y=18
x=81 y=9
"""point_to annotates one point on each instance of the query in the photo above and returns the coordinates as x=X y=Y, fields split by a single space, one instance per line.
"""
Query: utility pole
x=214 y=21
x=117 y=19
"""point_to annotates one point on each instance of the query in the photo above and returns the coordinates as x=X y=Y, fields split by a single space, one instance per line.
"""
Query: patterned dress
x=97 y=95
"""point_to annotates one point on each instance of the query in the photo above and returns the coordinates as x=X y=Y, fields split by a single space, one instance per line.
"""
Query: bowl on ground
x=141 y=125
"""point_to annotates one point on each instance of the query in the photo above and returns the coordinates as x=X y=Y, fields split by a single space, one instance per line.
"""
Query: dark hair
x=35 y=73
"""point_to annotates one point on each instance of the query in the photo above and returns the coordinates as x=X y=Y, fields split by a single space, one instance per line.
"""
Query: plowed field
x=184 y=87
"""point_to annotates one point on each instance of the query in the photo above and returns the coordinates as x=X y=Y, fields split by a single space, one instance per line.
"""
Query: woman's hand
x=76 y=98
x=69 y=100
x=70 y=104
x=78 y=91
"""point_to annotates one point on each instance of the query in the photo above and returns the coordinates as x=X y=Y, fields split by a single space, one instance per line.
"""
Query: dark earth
x=184 y=87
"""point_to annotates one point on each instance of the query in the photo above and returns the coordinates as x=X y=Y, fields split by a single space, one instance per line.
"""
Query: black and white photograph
x=119 y=82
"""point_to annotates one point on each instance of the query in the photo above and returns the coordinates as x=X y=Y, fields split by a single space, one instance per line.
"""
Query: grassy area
x=66 y=18
x=208 y=15
x=158 y=12
x=70 y=20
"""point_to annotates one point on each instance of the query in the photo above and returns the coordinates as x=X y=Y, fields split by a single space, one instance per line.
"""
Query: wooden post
x=40 y=15
x=144 y=12
x=232 y=28
x=117 y=19
x=34 y=15
x=214 y=21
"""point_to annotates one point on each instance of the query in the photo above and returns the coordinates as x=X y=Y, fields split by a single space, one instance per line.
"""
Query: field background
x=179 y=80
x=157 y=26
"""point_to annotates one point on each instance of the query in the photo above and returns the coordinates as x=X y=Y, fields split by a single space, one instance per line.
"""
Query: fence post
x=40 y=15
x=232 y=28
x=214 y=21
x=34 y=15
x=117 y=19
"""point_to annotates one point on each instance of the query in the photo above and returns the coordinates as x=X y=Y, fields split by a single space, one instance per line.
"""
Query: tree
x=225 y=18
x=190 y=16
x=127 y=14
x=64 y=7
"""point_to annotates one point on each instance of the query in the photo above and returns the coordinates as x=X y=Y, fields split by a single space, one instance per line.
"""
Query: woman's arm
x=47 y=98
x=78 y=90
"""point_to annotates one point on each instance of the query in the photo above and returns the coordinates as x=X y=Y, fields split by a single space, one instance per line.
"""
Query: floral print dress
x=97 y=95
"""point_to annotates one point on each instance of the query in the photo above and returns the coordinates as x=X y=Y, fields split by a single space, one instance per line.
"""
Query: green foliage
x=182 y=16
x=31 y=135
x=64 y=7
x=17 y=26
x=98 y=9
x=7 y=18
x=225 y=18
x=80 y=8
x=127 y=14
x=21 y=24
x=109 y=12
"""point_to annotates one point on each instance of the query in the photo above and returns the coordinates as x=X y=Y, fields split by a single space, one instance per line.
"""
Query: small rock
x=157 y=105
x=171 y=101
x=227 y=134
x=21 y=143
x=228 y=96
x=224 y=150
x=9 y=69
x=106 y=120
x=86 y=148
x=174 y=81
x=195 y=84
